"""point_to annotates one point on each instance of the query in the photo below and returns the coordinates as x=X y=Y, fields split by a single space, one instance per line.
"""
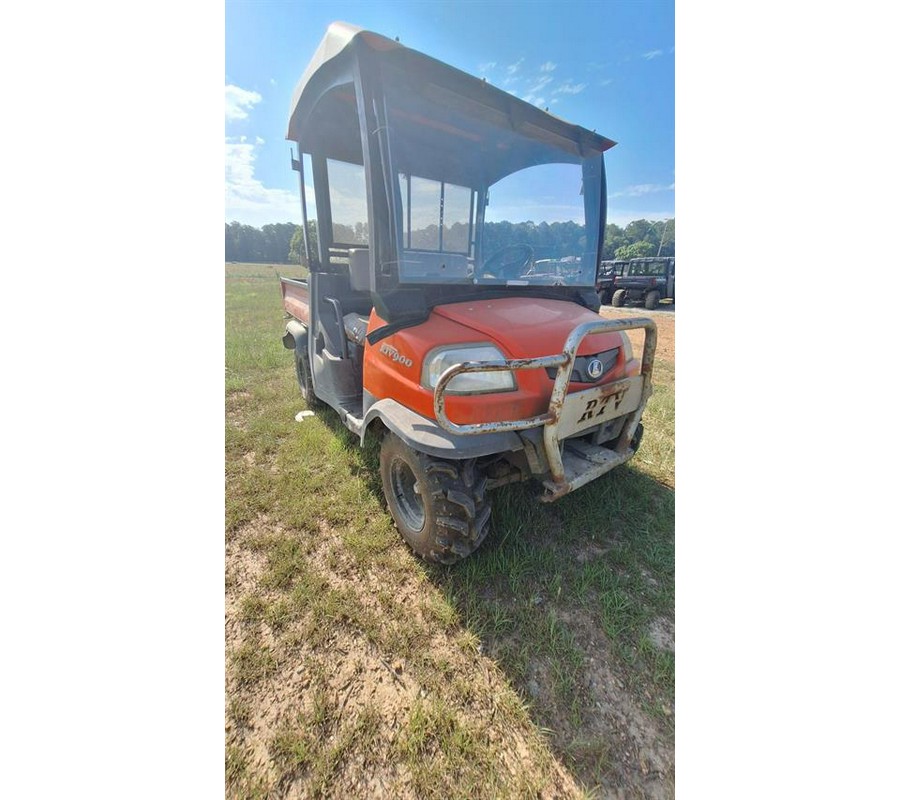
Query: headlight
x=438 y=361
x=626 y=347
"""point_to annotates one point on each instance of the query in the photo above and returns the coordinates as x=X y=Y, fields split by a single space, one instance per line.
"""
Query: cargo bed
x=295 y=297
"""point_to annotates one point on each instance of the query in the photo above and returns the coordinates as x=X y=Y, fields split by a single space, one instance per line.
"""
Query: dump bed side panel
x=295 y=297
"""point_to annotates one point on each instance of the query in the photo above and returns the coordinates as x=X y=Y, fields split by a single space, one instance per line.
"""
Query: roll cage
x=359 y=86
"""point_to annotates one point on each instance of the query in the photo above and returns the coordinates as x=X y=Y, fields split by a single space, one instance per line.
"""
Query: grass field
x=541 y=666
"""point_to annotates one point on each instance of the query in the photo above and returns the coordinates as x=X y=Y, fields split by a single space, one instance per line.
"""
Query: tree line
x=282 y=243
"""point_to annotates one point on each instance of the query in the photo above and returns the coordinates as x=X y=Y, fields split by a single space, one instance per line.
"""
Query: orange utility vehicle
x=433 y=204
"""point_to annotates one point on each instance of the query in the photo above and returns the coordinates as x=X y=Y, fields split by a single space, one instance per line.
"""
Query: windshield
x=480 y=201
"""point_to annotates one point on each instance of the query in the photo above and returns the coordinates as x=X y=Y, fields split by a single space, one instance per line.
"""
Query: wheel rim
x=405 y=489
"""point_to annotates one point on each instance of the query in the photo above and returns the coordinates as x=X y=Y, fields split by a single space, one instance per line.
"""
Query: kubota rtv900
x=453 y=234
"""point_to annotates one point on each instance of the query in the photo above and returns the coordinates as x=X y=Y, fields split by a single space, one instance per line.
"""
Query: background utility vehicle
x=645 y=280
x=475 y=368
x=606 y=275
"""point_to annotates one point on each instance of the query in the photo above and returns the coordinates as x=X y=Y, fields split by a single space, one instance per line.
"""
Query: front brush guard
x=567 y=471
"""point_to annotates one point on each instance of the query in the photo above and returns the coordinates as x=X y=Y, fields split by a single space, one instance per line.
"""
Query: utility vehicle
x=606 y=276
x=451 y=307
x=646 y=281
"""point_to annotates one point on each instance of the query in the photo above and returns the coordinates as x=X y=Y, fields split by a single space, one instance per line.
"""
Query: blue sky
x=608 y=66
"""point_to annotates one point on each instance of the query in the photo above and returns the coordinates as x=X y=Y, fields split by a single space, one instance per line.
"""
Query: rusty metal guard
x=551 y=419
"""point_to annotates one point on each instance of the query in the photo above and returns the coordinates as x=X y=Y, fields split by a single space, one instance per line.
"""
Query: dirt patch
x=662 y=633
x=634 y=748
x=665 y=331
x=243 y=568
x=335 y=703
x=640 y=757
x=234 y=409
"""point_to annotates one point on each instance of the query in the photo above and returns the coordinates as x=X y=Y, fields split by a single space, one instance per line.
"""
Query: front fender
x=428 y=437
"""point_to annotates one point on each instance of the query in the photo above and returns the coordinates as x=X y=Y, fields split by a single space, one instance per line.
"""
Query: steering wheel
x=510 y=261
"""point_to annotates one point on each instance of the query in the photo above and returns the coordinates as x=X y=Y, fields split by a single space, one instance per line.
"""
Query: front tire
x=439 y=506
x=651 y=301
x=618 y=298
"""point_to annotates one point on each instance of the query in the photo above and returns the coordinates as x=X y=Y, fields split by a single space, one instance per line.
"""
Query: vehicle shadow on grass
x=568 y=598
x=575 y=602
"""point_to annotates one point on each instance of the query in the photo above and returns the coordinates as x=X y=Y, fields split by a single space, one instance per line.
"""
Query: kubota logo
x=392 y=353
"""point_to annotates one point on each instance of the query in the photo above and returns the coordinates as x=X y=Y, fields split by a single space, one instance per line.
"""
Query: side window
x=424 y=213
x=347 y=194
x=437 y=216
x=457 y=212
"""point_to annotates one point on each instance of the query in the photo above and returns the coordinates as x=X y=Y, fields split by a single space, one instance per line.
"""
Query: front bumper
x=570 y=414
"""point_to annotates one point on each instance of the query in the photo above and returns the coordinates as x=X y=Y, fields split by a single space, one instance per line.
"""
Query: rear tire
x=618 y=298
x=651 y=301
x=439 y=506
x=605 y=297
x=304 y=378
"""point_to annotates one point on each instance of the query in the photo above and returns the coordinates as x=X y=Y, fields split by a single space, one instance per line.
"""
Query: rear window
x=641 y=268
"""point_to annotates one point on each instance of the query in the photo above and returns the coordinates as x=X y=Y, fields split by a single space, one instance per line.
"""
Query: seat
x=359 y=269
x=355 y=326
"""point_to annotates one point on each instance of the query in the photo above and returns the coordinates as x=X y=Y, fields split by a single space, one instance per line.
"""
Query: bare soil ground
x=331 y=714
x=664 y=317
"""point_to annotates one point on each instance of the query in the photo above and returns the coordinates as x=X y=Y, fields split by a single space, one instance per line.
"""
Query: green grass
x=552 y=586
x=252 y=662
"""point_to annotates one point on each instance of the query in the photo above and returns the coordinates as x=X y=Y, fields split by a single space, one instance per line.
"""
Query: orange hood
x=528 y=327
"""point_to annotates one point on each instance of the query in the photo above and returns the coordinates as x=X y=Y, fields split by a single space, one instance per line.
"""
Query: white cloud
x=606 y=82
x=512 y=69
x=548 y=66
x=487 y=66
x=640 y=189
x=246 y=198
x=569 y=88
x=540 y=83
x=533 y=92
x=239 y=101
x=652 y=54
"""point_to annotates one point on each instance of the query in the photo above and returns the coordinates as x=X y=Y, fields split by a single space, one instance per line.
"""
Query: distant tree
x=639 y=230
x=613 y=240
x=296 y=254
x=361 y=232
x=667 y=233
x=231 y=250
x=282 y=242
x=243 y=243
x=276 y=242
x=636 y=250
